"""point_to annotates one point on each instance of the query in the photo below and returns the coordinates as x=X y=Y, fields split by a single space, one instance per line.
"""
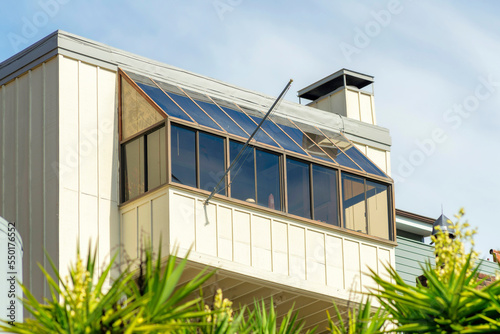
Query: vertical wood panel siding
x=88 y=160
x=28 y=184
x=247 y=240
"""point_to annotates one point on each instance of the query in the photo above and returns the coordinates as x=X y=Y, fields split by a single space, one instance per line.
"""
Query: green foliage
x=453 y=301
x=261 y=321
x=360 y=321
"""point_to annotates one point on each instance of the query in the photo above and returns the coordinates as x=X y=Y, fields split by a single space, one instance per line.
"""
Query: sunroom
x=302 y=208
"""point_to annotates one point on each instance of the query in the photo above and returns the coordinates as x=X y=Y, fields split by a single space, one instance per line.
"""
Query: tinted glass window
x=299 y=192
x=211 y=157
x=194 y=111
x=243 y=173
x=183 y=152
x=268 y=179
x=222 y=118
x=378 y=209
x=363 y=161
x=157 y=160
x=354 y=201
x=325 y=194
x=133 y=169
x=164 y=102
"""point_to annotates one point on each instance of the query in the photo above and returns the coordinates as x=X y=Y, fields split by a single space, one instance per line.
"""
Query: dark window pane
x=325 y=194
x=299 y=192
x=194 y=111
x=378 y=209
x=164 y=102
x=354 y=201
x=183 y=153
x=243 y=173
x=344 y=145
x=246 y=123
x=268 y=180
x=133 y=169
x=157 y=162
x=363 y=161
x=221 y=118
x=280 y=136
x=211 y=162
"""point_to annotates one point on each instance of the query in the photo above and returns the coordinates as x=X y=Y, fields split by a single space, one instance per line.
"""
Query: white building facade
x=103 y=145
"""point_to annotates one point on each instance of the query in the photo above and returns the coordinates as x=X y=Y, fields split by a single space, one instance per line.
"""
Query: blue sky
x=436 y=68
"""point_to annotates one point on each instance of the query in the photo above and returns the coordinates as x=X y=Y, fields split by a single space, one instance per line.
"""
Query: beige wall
x=254 y=243
x=28 y=147
x=88 y=160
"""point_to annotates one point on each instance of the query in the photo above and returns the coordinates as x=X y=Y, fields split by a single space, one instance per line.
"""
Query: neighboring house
x=412 y=252
x=97 y=143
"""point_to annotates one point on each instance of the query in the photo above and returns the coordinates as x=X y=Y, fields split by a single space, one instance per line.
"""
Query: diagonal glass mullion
x=276 y=123
x=248 y=135
x=372 y=167
x=325 y=156
x=169 y=97
x=341 y=150
x=261 y=128
x=213 y=120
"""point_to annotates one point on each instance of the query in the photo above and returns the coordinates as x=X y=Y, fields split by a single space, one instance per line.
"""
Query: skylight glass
x=277 y=131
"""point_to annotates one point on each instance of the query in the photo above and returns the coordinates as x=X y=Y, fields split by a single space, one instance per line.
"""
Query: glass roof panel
x=305 y=142
x=246 y=123
x=364 y=162
x=194 y=111
x=221 y=118
x=164 y=102
x=353 y=153
x=278 y=135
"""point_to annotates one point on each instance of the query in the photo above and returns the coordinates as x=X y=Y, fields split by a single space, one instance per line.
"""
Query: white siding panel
x=261 y=243
x=129 y=235
x=384 y=258
x=352 y=265
x=182 y=221
x=316 y=265
x=334 y=262
x=69 y=160
x=2 y=133
x=68 y=216
x=365 y=106
x=36 y=167
x=88 y=130
x=206 y=231
x=297 y=250
x=144 y=222
x=353 y=104
x=241 y=233
x=368 y=261
x=51 y=158
x=108 y=231
x=280 y=248
x=378 y=157
x=160 y=222
x=107 y=122
x=224 y=233
x=10 y=156
x=89 y=227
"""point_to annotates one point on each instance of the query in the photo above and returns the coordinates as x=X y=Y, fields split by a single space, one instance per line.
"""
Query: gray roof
x=86 y=50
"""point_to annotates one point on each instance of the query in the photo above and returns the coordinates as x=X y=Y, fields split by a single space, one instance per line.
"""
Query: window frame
x=282 y=153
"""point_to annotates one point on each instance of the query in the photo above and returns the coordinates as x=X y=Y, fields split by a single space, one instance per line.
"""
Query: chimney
x=345 y=92
x=496 y=255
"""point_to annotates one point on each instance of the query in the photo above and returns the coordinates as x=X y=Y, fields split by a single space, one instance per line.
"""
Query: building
x=101 y=144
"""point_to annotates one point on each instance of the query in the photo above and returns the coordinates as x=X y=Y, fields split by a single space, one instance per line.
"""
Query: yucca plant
x=261 y=321
x=453 y=300
x=166 y=306
x=147 y=300
x=361 y=320
x=79 y=303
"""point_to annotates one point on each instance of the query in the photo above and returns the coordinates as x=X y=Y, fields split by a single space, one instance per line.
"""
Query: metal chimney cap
x=445 y=226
